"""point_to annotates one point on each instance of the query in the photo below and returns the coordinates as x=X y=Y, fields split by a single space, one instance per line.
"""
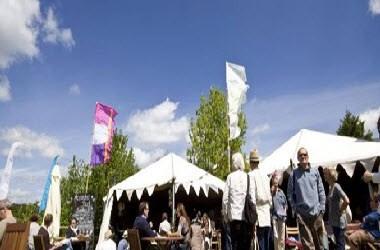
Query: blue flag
x=45 y=195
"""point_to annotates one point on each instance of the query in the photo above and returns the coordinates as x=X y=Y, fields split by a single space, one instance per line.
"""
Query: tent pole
x=173 y=205
x=228 y=141
x=173 y=195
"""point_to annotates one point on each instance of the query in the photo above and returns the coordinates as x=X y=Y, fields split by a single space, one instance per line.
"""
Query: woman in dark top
x=337 y=204
x=73 y=232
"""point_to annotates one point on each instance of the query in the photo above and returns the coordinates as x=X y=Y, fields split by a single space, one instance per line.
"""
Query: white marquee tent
x=169 y=169
x=324 y=150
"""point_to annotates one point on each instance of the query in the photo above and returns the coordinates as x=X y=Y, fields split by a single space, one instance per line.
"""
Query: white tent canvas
x=324 y=150
x=166 y=170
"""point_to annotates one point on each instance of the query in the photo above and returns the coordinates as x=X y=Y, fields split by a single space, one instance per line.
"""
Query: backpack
x=249 y=212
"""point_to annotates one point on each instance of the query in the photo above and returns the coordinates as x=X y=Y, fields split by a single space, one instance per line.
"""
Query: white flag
x=236 y=90
x=53 y=205
x=6 y=176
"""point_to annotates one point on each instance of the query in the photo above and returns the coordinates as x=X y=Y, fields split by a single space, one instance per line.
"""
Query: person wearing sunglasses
x=307 y=198
x=6 y=216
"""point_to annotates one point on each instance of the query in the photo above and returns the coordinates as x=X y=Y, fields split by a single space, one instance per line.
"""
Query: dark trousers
x=240 y=235
x=262 y=234
x=340 y=241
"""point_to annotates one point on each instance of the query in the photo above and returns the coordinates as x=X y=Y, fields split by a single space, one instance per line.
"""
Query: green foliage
x=74 y=183
x=209 y=134
x=351 y=125
x=100 y=179
x=121 y=166
x=22 y=212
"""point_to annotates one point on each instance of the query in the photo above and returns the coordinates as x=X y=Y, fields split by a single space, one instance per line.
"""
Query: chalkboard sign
x=84 y=213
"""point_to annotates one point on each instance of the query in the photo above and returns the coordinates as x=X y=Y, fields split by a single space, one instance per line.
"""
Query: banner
x=53 y=204
x=45 y=194
x=103 y=132
x=236 y=90
x=6 y=176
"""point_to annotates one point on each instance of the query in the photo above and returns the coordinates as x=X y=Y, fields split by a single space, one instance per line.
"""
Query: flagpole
x=228 y=140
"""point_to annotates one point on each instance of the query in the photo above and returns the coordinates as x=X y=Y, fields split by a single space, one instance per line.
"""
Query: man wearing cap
x=5 y=216
x=260 y=187
x=123 y=244
x=307 y=198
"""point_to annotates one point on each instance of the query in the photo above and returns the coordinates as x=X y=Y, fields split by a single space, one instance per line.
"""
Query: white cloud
x=41 y=143
x=256 y=134
x=158 y=125
x=26 y=184
x=5 y=89
x=21 y=26
x=260 y=129
x=322 y=110
x=370 y=118
x=74 y=89
x=19 y=195
x=19 y=30
x=54 y=34
x=144 y=158
x=374 y=7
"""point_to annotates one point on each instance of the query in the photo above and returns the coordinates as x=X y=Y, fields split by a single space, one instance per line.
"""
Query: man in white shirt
x=165 y=227
x=233 y=204
x=260 y=184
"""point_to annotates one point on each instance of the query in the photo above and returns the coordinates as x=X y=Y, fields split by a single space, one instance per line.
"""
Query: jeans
x=226 y=237
x=263 y=237
x=340 y=241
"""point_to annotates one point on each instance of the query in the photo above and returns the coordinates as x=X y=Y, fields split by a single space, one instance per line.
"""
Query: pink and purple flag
x=103 y=133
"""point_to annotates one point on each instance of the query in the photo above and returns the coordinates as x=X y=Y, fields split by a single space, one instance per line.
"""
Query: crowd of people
x=194 y=234
x=307 y=200
x=70 y=242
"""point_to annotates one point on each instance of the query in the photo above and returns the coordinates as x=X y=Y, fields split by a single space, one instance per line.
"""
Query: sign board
x=84 y=212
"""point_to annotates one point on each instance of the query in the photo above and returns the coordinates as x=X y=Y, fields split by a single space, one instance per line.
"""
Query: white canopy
x=166 y=170
x=324 y=150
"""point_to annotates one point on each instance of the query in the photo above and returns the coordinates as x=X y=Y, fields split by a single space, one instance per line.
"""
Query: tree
x=73 y=184
x=351 y=125
x=100 y=179
x=121 y=165
x=23 y=212
x=209 y=134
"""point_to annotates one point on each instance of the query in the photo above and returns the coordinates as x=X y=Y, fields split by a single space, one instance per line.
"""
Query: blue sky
x=306 y=63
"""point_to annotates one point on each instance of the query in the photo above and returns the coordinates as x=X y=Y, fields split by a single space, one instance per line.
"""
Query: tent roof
x=164 y=171
x=324 y=150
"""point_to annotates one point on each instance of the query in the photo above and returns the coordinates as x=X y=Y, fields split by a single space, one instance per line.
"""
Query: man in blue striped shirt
x=307 y=198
